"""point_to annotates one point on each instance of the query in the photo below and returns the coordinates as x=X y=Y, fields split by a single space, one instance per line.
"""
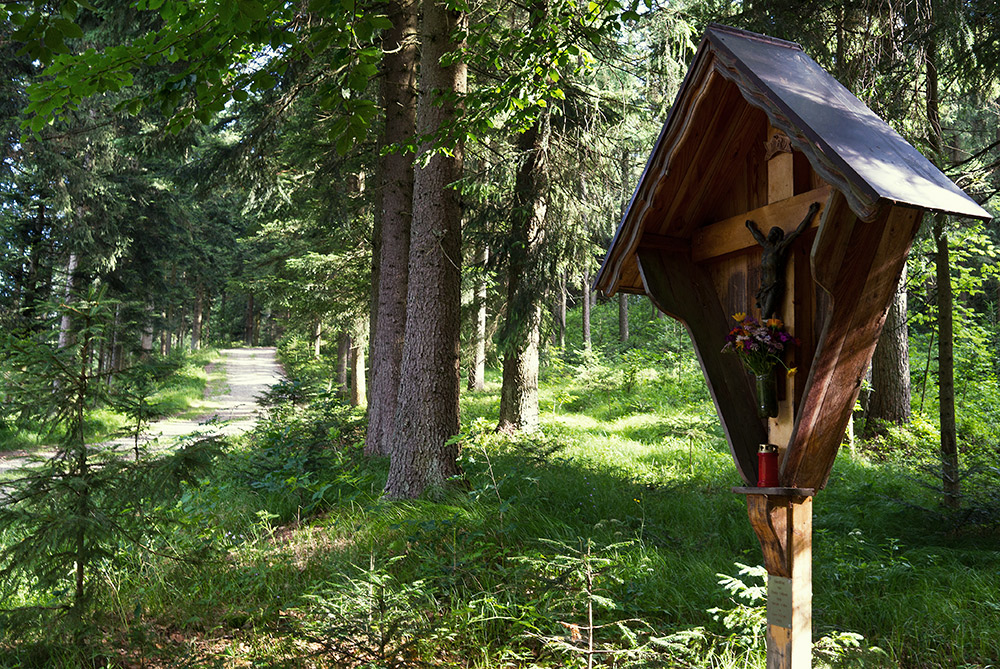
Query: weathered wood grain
x=858 y=264
x=731 y=235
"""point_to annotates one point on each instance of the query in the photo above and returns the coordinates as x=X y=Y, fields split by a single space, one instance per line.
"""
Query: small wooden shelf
x=776 y=492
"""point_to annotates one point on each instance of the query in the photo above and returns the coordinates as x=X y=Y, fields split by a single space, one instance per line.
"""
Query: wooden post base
x=782 y=520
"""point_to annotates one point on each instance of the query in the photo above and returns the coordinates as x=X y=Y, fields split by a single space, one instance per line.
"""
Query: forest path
x=229 y=406
x=232 y=400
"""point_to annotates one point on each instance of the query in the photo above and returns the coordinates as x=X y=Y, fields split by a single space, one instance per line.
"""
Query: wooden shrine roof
x=735 y=75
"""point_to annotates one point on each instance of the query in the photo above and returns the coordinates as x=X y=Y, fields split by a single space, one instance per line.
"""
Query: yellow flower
x=792 y=370
x=739 y=316
x=774 y=323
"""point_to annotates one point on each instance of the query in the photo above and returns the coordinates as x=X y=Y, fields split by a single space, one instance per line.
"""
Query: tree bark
x=560 y=333
x=166 y=317
x=343 y=353
x=196 y=320
x=622 y=317
x=946 y=334
x=519 y=390
x=317 y=342
x=359 y=397
x=422 y=452
x=31 y=295
x=395 y=173
x=146 y=339
x=586 y=308
x=66 y=322
x=946 y=369
x=477 y=370
x=889 y=401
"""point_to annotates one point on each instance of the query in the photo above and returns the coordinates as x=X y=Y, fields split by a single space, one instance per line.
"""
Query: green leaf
x=253 y=9
x=69 y=29
x=263 y=81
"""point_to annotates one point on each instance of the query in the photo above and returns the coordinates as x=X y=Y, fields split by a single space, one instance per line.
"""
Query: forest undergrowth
x=609 y=538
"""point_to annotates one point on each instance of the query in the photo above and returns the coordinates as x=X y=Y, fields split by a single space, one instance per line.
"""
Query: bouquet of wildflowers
x=760 y=346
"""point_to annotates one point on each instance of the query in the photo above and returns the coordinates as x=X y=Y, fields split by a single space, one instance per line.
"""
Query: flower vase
x=767 y=395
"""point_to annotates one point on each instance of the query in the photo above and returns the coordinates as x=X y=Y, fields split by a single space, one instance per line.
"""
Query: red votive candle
x=767 y=466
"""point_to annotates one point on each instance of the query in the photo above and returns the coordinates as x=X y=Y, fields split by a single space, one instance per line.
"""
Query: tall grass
x=610 y=536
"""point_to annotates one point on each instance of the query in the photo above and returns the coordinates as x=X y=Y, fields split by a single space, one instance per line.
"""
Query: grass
x=620 y=506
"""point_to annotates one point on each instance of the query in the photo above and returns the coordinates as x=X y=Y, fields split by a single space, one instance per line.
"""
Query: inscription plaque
x=779 y=601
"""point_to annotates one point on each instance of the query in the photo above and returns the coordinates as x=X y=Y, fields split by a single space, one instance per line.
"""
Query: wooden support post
x=781 y=186
x=782 y=518
x=783 y=524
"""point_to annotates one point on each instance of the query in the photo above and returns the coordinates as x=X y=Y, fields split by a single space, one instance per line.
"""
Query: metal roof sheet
x=873 y=156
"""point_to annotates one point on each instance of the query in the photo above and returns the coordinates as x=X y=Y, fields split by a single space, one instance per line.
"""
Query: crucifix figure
x=772 y=262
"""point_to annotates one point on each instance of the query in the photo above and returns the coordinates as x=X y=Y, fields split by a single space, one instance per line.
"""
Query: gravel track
x=230 y=404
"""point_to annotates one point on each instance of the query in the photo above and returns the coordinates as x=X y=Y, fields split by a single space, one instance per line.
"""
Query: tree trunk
x=622 y=317
x=946 y=334
x=623 y=297
x=343 y=355
x=250 y=328
x=66 y=322
x=181 y=327
x=477 y=370
x=206 y=319
x=396 y=178
x=519 y=392
x=165 y=332
x=36 y=236
x=946 y=369
x=889 y=401
x=317 y=342
x=422 y=452
x=196 y=316
x=560 y=333
x=586 y=308
x=359 y=396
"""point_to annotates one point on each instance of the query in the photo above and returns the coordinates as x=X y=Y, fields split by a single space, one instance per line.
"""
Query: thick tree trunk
x=396 y=192
x=477 y=368
x=519 y=391
x=889 y=401
x=586 y=308
x=422 y=452
x=343 y=353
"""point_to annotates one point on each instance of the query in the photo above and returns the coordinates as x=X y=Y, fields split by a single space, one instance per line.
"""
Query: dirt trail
x=248 y=373
x=230 y=402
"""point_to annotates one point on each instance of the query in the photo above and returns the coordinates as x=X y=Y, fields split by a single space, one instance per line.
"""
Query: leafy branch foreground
x=601 y=543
